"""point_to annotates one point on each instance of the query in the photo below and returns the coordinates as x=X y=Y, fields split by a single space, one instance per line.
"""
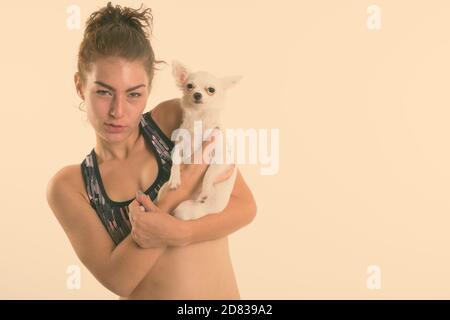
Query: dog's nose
x=197 y=96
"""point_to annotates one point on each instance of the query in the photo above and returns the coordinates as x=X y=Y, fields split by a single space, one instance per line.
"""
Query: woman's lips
x=113 y=128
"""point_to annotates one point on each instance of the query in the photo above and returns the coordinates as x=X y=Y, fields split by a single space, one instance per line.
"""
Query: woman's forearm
x=129 y=263
x=238 y=213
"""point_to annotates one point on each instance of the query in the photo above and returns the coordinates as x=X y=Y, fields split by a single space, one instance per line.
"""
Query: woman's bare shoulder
x=85 y=231
x=70 y=177
x=168 y=115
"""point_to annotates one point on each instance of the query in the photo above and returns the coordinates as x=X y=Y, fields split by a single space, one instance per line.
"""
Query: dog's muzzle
x=197 y=97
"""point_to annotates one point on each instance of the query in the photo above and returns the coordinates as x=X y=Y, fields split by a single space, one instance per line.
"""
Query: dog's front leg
x=207 y=184
x=211 y=174
x=175 y=179
x=175 y=175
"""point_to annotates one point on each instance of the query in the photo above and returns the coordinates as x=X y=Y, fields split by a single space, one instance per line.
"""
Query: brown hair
x=118 y=31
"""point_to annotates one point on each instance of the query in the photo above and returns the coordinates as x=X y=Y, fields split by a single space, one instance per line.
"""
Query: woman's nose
x=117 y=107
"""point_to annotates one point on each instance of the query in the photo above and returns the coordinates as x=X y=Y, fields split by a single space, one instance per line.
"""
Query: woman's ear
x=78 y=85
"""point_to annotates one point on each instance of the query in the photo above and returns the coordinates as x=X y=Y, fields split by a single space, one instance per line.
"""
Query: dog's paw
x=189 y=210
x=183 y=215
x=180 y=215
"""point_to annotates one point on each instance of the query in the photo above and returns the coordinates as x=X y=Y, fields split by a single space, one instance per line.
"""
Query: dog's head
x=202 y=89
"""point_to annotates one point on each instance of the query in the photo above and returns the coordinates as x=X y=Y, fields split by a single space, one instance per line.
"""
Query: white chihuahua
x=203 y=99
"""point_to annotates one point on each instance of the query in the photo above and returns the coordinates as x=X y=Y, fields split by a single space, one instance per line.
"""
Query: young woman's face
x=115 y=92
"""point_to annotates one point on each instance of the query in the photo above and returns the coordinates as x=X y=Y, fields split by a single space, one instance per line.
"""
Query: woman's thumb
x=145 y=201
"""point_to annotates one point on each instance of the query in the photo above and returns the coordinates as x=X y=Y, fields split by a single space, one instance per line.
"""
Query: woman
x=155 y=256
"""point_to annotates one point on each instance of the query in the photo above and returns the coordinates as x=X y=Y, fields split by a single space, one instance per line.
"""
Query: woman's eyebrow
x=112 y=89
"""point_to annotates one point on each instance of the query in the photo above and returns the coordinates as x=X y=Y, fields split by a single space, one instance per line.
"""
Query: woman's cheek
x=101 y=105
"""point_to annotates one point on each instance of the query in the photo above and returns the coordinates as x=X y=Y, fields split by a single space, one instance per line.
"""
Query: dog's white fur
x=206 y=108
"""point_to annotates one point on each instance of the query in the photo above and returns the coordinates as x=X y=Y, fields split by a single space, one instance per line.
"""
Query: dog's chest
x=201 y=122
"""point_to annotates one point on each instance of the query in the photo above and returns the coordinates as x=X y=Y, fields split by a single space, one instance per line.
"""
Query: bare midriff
x=198 y=271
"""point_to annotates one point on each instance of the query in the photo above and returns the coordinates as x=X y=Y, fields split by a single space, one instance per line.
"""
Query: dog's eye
x=189 y=85
x=211 y=90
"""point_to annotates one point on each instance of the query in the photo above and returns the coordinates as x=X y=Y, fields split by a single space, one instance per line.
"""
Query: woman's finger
x=132 y=207
x=130 y=216
x=145 y=201
x=133 y=204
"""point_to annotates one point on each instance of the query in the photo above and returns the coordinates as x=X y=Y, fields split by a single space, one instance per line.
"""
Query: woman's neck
x=119 y=151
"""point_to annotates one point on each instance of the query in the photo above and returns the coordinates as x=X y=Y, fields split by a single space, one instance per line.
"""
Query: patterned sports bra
x=114 y=215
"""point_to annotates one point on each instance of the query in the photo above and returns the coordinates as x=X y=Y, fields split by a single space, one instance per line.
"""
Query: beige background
x=363 y=115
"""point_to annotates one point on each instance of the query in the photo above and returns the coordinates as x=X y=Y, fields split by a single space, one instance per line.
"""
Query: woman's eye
x=102 y=92
x=189 y=85
x=135 y=94
x=211 y=90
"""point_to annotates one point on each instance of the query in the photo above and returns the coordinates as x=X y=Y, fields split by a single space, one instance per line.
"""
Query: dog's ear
x=180 y=73
x=230 y=81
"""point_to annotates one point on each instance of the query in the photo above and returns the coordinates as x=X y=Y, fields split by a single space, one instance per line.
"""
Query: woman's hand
x=154 y=227
x=192 y=174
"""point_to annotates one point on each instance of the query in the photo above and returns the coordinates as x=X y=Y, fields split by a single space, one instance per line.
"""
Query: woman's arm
x=158 y=228
x=240 y=211
x=119 y=268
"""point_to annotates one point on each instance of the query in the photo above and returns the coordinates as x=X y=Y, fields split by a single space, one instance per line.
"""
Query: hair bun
x=118 y=32
x=111 y=16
